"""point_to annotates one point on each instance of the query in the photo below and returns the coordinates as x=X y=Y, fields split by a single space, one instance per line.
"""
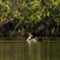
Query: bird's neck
x=29 y=37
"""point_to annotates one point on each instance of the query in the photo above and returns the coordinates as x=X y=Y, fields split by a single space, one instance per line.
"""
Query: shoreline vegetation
x=18 y=19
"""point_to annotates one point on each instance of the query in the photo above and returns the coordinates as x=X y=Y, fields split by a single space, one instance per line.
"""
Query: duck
x=31 y=39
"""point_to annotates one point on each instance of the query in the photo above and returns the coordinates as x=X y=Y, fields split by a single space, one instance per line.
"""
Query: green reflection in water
x=17 y=50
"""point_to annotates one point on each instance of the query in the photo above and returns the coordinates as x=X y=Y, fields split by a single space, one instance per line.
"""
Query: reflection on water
x=22 y=51
x=19 y=51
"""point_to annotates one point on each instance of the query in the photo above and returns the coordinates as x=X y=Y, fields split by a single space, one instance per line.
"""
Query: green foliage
x=30 y=12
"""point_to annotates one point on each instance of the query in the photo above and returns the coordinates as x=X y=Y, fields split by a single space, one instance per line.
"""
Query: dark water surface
x=17 y=50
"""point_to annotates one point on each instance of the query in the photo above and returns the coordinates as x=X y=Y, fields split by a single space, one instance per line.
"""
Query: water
x=17 y=50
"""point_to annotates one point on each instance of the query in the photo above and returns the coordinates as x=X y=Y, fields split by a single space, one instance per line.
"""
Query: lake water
x=17 y=50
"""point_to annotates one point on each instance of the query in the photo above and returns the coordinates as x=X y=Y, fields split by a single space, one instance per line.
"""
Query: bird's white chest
x=31 y=41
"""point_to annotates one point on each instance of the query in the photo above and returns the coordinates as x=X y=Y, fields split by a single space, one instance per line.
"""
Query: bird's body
x=31 y=39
